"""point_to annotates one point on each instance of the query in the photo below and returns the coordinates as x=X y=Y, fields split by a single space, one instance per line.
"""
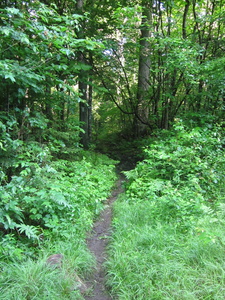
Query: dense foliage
x=129 y=66
x=169 y=226
x=166 y=58
x=48 y=208
x=85 y=74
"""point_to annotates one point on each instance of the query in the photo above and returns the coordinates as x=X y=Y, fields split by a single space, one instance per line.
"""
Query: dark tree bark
x=142 y=110
x=85 y=104
x=186 y=8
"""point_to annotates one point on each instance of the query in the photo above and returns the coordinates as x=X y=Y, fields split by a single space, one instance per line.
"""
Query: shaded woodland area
x=87 y=85
x=89 y=69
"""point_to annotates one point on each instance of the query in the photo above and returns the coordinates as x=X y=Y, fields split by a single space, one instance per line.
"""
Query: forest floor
x=97 y=243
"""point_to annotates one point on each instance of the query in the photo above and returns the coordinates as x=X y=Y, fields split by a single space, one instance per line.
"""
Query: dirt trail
x=97 y=243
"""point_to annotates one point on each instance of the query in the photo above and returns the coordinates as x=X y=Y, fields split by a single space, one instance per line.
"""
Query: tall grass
x=168 y=240
x=34 y=279
x=154 y=261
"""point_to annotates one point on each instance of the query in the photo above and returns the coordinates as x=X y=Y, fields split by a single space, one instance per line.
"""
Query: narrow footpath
x=97 y=243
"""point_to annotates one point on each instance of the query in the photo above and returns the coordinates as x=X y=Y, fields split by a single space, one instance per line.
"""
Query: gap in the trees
x=127 y=151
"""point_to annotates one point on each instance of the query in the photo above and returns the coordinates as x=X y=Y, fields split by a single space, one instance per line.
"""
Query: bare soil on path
x=97 y=243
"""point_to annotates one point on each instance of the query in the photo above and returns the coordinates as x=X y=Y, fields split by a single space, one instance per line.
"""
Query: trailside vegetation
x=168 y=240
x=129 y=78
x=48 y=207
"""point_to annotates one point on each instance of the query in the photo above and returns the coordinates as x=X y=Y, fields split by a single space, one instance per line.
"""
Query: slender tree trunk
x=84 y=109
x=83 y=114
x=48 y=106
x=90 y=92
x=5 y=97
x=186 y=8
x=142 y=118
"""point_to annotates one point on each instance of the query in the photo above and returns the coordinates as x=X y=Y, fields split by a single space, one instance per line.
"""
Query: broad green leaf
x=10 y=76
x=5 y=30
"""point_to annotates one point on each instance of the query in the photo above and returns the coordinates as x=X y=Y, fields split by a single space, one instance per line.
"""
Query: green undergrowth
x=168 y=240
x=47 y=207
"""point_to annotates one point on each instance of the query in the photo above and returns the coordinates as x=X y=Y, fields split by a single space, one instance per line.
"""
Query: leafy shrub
x=53 y=195
x=194 y=158
x=168 y=240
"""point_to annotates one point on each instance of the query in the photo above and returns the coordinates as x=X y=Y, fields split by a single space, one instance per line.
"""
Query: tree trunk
x=142 y=118
x=184 y=30
x=84 y=106
x=90 y=92
x=84 y=136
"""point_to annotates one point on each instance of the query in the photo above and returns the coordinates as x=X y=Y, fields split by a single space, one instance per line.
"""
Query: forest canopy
x=131 y=65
